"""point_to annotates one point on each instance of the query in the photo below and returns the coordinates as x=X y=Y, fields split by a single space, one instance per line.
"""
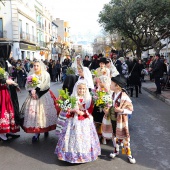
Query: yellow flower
x=34 y=79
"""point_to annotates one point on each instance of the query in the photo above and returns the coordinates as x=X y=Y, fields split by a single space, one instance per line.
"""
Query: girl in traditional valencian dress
x=79 y=143
x=122 y=106
x=39 y=111
x=84 y=73
x=8 y=107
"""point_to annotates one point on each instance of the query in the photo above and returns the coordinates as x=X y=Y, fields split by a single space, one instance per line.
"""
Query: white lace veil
x=87 y=96
x=113 y=69
x=44 y=78
x=74 y=64
x=88 y=77
x=106 y=81
x=42 y=67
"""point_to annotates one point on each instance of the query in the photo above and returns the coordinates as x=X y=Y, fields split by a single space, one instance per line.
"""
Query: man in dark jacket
x=157 y=71
x=86 y=61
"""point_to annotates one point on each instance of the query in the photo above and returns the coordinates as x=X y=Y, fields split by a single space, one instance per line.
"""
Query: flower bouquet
x=3 y=74
x=101 y=99
x=94 y=73
x=70 y=70
x=65 y=101
x=32 y=81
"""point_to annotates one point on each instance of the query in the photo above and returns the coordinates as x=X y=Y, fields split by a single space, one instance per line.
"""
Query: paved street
x=150 y=136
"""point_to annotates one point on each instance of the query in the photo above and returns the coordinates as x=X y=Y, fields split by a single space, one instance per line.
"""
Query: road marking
x=152 y=97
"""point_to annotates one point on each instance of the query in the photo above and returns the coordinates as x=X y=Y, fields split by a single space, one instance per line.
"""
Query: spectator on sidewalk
x=141 y=67
x=157 y=71
x=149 y=65
x=134 y=77
x=58 y=66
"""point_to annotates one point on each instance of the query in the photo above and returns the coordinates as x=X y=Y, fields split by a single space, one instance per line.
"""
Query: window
x=27 y=28
x=1 y=28
x=20 y=26
x=49 y=27
x=33 y=30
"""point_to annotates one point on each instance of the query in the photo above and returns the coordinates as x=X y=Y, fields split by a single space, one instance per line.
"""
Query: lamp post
x=51 y=41
x=122 y=43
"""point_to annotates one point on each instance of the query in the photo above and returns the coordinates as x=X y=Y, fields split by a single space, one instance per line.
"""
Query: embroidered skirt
x=107 y=128
x=79 y=143
x=39 y=115
x=7 y=121
x=62 y=122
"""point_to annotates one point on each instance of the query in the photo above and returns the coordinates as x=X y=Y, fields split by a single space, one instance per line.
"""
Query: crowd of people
x=88 y=121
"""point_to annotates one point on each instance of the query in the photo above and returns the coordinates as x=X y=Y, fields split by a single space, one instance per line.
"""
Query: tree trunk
x=157 y=51
x=138 y=52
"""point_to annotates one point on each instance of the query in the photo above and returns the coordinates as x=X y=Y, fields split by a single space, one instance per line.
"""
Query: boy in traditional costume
x=122 y=107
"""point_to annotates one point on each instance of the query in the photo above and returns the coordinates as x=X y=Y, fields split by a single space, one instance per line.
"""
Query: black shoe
x=35 y=139
x=13 y=136
x=46 y=134
x=158 y=92
x=140 y=92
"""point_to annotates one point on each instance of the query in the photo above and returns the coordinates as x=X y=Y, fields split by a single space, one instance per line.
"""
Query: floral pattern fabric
x=39 y=115
x=80 y=142
x=61 y=123
x=7 y=121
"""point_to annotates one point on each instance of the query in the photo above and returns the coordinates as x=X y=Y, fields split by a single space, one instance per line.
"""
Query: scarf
x=122 y=129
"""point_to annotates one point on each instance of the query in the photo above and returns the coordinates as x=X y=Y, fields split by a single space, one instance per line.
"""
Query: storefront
x=27 y=51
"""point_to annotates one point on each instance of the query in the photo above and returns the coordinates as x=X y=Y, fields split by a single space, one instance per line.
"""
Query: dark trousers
x=158 y=84
x=58 y=76
x=131 y=91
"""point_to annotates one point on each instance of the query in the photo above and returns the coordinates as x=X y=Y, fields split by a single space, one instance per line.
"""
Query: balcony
x=40 y=25
x=42 y=44
x=3 y=34
x=27 y=37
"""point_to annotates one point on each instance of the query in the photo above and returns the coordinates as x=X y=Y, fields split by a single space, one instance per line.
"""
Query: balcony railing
x=27 y=37
x=40 y=25
x=42 y=44
x=3 y=34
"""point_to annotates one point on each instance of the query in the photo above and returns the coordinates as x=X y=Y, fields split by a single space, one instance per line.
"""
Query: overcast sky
x=82 y=14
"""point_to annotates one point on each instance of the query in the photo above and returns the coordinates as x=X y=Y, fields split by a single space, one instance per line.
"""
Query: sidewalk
x=151 y=87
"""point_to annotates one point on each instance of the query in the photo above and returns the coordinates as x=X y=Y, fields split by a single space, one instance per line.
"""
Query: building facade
x=18 y=28
x=31 y=30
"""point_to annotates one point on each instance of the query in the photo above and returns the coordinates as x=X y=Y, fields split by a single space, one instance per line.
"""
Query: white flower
x=69 y=106
x=104 y=98
x=66 y=102
x=65 y=108
x=62 y=106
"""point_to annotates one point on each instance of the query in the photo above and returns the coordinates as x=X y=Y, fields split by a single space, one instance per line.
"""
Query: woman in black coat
x=134 y=76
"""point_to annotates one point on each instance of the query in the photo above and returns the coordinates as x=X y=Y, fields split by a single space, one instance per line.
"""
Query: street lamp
x=122 y=42
x=51 y=41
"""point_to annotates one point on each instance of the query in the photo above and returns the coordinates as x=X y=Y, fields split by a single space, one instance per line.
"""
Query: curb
x=160 y=97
